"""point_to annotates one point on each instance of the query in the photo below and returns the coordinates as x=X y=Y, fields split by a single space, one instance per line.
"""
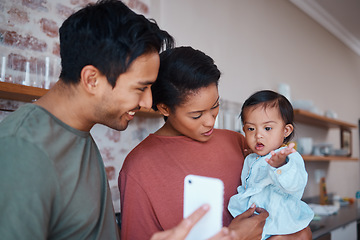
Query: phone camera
x=190 y=181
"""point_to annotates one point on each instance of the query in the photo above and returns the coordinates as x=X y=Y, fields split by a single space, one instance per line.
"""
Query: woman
x=151 y=179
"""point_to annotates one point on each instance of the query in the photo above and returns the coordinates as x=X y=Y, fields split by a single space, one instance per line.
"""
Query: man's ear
x=163 y=109
x=89 y=78
x=289 y=128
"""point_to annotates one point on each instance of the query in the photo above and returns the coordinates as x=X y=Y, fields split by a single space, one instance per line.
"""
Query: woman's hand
x=182 y=230
x=304 y=234
x=247 y=151
x=249 y=226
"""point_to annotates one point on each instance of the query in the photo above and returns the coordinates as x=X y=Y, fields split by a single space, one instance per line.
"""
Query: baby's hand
x=279 y=159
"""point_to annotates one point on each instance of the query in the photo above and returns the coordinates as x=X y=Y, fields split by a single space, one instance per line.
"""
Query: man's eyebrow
x=146 y=82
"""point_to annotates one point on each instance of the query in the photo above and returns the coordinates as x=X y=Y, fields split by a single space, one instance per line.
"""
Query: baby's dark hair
x=270 y=99
x=183 y=71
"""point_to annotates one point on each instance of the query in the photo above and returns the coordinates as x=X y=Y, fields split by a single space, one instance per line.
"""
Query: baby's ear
x=289 y=128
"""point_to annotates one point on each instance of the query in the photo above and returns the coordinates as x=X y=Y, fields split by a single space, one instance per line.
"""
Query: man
x=52 y=179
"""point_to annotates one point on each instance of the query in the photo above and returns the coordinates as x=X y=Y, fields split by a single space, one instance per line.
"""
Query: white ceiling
x=340 y=17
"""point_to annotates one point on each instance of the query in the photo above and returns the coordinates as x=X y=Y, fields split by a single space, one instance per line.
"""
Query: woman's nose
x=210 y=120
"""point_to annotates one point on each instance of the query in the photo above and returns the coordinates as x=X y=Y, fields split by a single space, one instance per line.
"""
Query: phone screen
x=199 y=190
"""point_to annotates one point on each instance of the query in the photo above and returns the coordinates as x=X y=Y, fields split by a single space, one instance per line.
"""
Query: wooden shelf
x=19 y=92
x=313 y=158
x=24 y=93
x=149 y=113
x=310 y=118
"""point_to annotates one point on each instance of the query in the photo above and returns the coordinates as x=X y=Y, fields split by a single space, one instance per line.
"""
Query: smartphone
x=199 y=190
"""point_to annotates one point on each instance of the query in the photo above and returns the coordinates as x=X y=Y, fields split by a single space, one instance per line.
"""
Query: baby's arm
x=292 y=175
x=278 y=159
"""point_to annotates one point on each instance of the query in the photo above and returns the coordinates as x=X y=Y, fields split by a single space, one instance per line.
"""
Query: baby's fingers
x=291 y=146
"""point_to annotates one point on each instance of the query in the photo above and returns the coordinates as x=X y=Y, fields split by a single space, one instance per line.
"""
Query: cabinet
x=24 y=93
x=310 y=118
x=348 y=231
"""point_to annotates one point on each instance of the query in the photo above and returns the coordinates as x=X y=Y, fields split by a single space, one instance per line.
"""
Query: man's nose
x=146 y=99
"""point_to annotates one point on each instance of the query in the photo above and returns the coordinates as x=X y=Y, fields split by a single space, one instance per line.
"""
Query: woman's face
x=196 y=117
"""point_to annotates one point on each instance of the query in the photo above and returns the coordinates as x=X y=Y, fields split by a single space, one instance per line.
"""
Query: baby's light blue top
x=278 y=190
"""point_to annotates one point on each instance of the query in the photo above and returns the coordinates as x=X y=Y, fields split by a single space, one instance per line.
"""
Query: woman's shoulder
x=228 y=133
x=139 y=158
x=145 y=145
x=225 y=135
x=153 y=148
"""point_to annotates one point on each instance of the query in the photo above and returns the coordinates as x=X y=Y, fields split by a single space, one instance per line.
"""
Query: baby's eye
x=251 y=129
x=268 y=128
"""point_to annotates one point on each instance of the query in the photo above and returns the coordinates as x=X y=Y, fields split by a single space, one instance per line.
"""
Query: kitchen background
x=257 y=44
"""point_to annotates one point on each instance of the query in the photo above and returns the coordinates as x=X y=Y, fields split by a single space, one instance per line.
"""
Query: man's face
x=132 y=91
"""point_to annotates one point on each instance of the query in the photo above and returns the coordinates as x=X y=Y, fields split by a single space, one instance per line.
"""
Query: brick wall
x=29 y=36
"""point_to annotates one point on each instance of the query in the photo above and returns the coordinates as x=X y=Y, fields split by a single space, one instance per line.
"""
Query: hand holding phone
x=199 y=190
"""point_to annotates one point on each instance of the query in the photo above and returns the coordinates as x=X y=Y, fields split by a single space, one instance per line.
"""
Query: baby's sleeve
x=291 y=177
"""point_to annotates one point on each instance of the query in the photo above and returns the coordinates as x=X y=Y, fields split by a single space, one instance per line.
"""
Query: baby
x=273 y=176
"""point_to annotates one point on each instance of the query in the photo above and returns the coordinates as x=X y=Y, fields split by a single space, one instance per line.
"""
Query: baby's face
x=264 y=129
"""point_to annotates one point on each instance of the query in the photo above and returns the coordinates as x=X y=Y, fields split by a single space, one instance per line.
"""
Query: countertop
x=344 y=216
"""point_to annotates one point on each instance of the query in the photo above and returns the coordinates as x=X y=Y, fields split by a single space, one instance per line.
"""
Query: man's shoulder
x=16 y=120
